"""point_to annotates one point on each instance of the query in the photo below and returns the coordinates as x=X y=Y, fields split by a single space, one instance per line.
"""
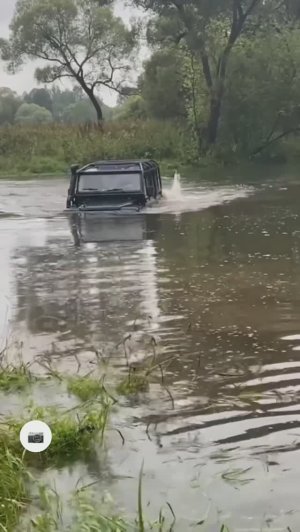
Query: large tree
x=161 y=85
x=40 y=97
x=209 y=29
x=79 y=39
x=9 y=104
x=30 y=113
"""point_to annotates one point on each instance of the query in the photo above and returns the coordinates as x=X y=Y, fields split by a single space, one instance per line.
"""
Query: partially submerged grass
x=132 y=384
x=73 y=432
x=89 y=517
x=14 y=377
x=91 y=511
x=13 y=489
x=236 y=476
x=86 y=388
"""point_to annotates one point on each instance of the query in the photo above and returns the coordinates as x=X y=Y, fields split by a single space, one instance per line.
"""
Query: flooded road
x=213 y=274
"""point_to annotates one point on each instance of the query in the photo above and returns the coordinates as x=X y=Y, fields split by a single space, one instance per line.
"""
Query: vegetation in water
x=15 y=378
x=132 y=384
x=86 y=388
x=13 y=488
x=73 y=432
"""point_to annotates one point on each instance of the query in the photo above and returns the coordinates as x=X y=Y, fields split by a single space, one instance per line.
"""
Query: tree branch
x=251 y=8
x=239 y=9
x=275 y=139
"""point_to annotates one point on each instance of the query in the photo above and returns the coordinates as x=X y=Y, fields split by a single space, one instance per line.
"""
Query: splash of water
x=178 y=199
x=175 y=192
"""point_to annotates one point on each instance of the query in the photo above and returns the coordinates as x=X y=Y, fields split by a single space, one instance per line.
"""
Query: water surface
x=213 y=274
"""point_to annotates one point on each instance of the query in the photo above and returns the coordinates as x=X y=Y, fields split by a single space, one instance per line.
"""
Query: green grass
x=13 y=489
x=15 y=378
x=88 y=517
x=73 y=433
x=36 y=150
x=133 y=384
x=85 y=388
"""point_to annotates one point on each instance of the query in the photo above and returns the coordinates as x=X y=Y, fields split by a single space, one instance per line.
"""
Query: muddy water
x=213 y=274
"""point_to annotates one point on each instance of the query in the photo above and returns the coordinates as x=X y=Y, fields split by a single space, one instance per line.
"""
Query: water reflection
x=100 y=228
x=83 y=297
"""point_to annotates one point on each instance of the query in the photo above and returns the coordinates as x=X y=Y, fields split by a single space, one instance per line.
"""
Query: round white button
x=35 y=436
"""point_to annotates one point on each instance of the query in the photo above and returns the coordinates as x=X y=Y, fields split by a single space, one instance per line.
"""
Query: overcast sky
x=23 y=81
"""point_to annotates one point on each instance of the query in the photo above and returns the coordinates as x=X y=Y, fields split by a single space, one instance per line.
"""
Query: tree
x=82 y=112
x=133 y=108
x=262 y=103
x=161 y=85
x=80 y=40
x=30 y=113
x=292 y=9
x=40 y=97
x=62 y=99
x=210 y=29
x=9 y=103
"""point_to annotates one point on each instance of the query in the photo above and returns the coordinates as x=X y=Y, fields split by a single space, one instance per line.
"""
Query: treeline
x=224 y=72
x=45 y=106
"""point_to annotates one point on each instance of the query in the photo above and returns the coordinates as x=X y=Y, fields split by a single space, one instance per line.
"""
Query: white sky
x=24 y=80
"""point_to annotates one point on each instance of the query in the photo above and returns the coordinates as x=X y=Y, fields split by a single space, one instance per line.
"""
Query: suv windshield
x=109 y=183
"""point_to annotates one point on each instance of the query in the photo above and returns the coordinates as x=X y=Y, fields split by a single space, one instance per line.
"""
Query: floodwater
x=213 y=274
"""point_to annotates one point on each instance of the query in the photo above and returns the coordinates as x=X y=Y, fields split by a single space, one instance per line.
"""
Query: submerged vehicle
x=114 y=186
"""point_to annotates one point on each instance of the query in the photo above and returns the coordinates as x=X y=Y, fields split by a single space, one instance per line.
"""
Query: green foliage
x=89 y=518
x=30 y=113
x=83 y=112
x=134 y=108
x=162 y=87
x=9 y=103
x=80 y=39
x=210 y=31
x=14 y=379
x=262 y=97
x=61 y=99
x=41 y=97
x=226 y=74
x=24 y=149
x=85 y=387
x=13 y=490
x=133 y=384
x=73 y=433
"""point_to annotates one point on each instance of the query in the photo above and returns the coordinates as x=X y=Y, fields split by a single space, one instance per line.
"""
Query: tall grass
x=52 y=148
x=13 y=490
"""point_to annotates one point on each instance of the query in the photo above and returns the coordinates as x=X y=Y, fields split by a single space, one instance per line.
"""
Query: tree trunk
x=97 y=107
x=214 y=119
x=90 y=94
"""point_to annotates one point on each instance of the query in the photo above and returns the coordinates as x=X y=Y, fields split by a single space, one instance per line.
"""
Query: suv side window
x=150 y=185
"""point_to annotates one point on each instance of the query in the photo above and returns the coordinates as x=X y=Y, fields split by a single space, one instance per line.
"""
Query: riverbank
x=50 y=150
x=31 y=152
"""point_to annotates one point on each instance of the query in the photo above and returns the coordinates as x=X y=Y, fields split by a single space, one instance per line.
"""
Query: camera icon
x=36 y=437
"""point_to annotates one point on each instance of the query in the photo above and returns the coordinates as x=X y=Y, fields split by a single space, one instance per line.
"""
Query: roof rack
x=121 y=165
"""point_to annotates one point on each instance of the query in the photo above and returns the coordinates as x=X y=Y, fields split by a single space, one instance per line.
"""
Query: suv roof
x=120 y=165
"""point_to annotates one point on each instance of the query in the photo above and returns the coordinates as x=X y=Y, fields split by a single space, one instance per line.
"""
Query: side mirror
x=74 y=169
